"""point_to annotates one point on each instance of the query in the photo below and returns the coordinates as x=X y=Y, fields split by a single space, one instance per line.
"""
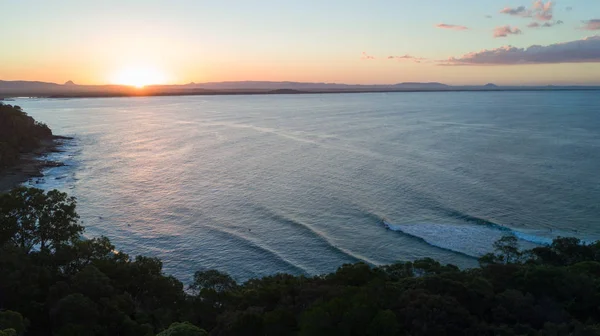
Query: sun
x=139 y=76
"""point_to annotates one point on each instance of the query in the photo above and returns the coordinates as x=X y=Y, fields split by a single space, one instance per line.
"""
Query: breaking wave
x=467 y=239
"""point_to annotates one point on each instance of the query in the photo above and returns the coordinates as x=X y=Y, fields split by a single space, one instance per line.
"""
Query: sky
x=507 y=42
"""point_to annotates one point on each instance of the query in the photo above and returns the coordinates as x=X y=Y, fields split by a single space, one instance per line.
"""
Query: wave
x=256 y=247
x=271 y=214
x=466 y=239
x=528 y=236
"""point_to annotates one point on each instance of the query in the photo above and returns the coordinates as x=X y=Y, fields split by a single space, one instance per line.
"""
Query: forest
x=54 y=282
x=19 y=133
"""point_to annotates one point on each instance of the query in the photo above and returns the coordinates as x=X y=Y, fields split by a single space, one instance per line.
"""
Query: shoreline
x=32 y=164
x=153 y=92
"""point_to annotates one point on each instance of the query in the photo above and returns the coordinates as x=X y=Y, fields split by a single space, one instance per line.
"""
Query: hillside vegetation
x=54 y=283
x=19 y=133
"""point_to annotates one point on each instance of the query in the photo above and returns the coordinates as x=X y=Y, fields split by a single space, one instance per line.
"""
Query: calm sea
x=255 y=185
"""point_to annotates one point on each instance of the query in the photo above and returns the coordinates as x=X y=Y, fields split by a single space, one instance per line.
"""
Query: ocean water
x=256 y=185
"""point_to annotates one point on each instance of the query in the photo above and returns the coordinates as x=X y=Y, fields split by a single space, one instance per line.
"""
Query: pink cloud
x=586 y=50
x=408 y=58
x=366 y=57
x=451 y=26
x=593 y=24
x=543 y=11
x=506 y=30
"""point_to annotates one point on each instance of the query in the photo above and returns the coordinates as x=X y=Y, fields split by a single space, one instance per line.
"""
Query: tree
x=508 y=252
x=183 y=329
x=75 y=313
x=30 y=217
x=212 y=280
x=19 y=133
x=384 y=323
x=11 y=321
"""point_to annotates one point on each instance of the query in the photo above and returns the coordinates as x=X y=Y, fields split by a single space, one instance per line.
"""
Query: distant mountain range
x=70 y=89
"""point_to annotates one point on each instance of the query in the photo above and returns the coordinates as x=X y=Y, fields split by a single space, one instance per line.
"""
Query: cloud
x=408 y=58
x=545 y=24
x=519 y=11
x=366 y=57
x=550 y=24
x=578 y=51
x=488 y=16
x=568 y=9
x=593 y=24
x=451 y=26
x=506 y=30
x=543 y=11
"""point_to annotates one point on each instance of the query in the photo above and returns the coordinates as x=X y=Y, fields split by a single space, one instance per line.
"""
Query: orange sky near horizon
x=140 y=42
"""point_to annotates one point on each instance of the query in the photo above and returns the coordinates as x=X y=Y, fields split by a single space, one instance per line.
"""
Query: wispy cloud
x=366 y=57
x=519 y=11
x=550 y=24
x=578 y=51
x=506 y=30
x=488 y=16
x=450 y=26
x=545 y=24
x=593 y=24
x=408 y=58
x=569 y=8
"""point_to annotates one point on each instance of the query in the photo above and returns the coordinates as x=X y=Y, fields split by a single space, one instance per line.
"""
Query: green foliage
x=212 y=280
x=183 y=329
x=508 y=252
x=62 y=285
x=12 y=322
x=8 y=332
x=19 y=133
x=30 y=217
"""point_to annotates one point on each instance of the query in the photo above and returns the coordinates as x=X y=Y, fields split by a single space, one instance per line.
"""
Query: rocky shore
x=32 y=164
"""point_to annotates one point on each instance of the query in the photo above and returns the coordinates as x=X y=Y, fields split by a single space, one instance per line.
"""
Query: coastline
x=153 y=91
x=32 y=164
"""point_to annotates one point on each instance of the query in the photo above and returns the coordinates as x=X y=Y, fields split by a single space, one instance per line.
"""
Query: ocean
x=262 y=184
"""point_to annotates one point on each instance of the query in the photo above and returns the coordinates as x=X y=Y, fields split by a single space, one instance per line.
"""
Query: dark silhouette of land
x=53 y=282
x=72 y=90
x=23 y=141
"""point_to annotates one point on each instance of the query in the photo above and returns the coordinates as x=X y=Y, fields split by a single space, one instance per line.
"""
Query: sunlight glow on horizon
x=139 y=43
x=139 y=76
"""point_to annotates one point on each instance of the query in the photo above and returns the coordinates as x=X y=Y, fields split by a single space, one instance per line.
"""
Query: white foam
x=538 y=240
x=473 y=240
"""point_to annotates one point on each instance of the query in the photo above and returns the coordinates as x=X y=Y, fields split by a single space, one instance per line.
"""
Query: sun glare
x=139 y=76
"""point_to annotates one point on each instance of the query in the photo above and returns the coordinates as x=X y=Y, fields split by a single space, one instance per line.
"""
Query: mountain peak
x=69 y=83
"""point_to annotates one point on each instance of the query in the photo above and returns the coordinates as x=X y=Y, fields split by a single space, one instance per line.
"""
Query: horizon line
x=72 y=83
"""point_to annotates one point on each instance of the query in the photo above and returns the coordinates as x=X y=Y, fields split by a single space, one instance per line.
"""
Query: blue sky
x=285 y=40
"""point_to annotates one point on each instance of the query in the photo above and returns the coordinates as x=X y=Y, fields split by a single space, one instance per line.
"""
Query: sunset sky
x=350 y=41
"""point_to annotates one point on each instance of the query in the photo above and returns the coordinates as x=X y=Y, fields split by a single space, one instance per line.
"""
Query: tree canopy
x=19 y=133
x=54 y=282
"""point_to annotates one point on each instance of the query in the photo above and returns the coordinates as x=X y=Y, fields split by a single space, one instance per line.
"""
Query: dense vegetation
x=19 y=133
x=53 y=283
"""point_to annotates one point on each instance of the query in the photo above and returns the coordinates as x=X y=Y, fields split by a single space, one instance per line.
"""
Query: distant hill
x=424 y=86
x=70 y=89
x=26 y=85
